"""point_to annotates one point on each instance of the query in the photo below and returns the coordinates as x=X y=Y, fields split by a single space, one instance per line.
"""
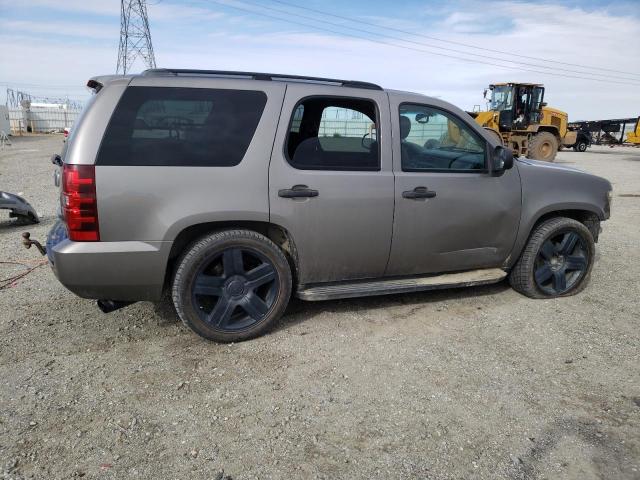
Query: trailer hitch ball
x=28 y=243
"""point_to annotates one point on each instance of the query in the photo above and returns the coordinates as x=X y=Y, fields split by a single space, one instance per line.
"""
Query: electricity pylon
x=135 y=37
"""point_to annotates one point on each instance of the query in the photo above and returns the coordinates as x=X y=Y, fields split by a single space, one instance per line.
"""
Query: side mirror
x=502 y=159
x=422 y=118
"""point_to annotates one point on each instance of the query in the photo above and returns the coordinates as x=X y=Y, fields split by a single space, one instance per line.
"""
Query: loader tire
x=543 y=146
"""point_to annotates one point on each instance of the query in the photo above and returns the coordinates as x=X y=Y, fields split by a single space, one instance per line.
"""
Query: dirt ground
x=477 y=383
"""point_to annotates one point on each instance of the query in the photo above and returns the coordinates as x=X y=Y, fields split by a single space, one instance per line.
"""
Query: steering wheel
x=364 y=137
x=431 y=143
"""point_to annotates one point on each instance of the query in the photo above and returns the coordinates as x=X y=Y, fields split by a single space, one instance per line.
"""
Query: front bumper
x=126 y=271
x=18 y=207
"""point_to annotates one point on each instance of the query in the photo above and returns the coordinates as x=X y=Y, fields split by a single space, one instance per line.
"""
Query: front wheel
x=556 y=261
x=581 y=147
x=543 y=146
x=232 y=285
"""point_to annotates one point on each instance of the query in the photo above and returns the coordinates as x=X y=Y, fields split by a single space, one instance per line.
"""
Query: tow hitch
x=28 y=243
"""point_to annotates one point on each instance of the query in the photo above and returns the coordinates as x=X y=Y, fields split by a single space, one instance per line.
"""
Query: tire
x=559 y=250
x=581 y=147
x=543 y=146
x=231 y=285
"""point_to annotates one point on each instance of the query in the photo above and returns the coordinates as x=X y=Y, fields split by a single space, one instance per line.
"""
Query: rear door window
x=329 y=133
x=166 y=126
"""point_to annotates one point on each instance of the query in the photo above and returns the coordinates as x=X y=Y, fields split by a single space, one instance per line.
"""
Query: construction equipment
x=518 y=116
x=634 y=137
x=605 y=132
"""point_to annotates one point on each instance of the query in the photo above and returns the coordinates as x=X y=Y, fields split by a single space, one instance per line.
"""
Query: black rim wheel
x=561 y=263
x=235 y=289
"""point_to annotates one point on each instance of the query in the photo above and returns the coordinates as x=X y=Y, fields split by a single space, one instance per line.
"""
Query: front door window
x=432 y=139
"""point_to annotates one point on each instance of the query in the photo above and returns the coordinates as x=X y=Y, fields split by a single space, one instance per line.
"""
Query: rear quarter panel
x=81 y=148
x=144 y=203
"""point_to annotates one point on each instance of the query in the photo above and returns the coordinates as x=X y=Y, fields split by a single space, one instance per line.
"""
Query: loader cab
x=519 y=104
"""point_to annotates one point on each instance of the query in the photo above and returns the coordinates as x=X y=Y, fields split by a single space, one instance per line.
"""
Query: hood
x=549 y=165
x=554 y=171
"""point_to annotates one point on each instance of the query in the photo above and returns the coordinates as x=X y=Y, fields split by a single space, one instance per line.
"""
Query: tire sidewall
x=590 y=247
x=535 y=145
x=205 y=250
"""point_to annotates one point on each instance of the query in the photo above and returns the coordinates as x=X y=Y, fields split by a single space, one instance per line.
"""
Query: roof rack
x=261 y=76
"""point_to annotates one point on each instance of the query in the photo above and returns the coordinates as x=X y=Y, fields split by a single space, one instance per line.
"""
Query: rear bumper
x=126 y=271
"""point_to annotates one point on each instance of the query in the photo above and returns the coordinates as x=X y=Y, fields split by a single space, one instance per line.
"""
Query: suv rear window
x=165 y=126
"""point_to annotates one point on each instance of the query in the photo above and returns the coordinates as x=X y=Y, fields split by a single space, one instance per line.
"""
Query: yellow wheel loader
x=634 y=137
x=520 y=118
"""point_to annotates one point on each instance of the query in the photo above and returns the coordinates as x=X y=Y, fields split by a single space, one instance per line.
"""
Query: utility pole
x=135 y=37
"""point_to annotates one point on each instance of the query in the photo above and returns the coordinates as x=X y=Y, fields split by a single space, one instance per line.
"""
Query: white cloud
x=99 y=7
x=61 y=28
x=543 y=30
x=172 y=12
x=24 y=62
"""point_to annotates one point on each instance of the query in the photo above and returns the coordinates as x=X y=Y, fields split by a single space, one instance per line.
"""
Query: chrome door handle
x=297 y=191
x=419 y=192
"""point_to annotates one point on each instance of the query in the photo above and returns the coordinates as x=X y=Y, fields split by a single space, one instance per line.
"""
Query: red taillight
x=79 y=202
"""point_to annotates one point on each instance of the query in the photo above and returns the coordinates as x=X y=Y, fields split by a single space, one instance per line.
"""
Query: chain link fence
x=42 y=119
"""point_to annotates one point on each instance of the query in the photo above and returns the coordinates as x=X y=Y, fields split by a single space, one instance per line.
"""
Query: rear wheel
x=232 y=285
x=580 y=146
x=543 y=146
x=557 y=260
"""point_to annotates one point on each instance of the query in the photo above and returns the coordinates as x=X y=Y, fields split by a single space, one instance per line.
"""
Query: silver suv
x=235 y=190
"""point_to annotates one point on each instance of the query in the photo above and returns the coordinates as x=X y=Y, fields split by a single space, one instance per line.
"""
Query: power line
x=381 y=42
x=555 y=69
x=19 y=98
x=43 y=86
x=451 y=41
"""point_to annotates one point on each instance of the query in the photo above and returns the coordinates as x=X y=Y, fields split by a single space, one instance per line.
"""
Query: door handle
x=419 y=192
x=297 y=191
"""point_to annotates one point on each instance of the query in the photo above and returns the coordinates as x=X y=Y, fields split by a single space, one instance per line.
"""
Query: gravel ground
x=477 y=383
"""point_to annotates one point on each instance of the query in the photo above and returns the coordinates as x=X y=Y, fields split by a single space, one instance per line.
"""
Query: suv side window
x=436 y=140
x=167 y=126
x=328 y=133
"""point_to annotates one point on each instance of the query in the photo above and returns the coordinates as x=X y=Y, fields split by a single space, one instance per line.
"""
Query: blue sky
x=51 y=47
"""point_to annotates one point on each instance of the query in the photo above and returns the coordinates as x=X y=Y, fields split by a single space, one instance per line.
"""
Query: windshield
x=538 y=93
x=502 y=98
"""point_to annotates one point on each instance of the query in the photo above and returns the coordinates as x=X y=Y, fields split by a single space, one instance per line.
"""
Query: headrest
x=405 y=126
